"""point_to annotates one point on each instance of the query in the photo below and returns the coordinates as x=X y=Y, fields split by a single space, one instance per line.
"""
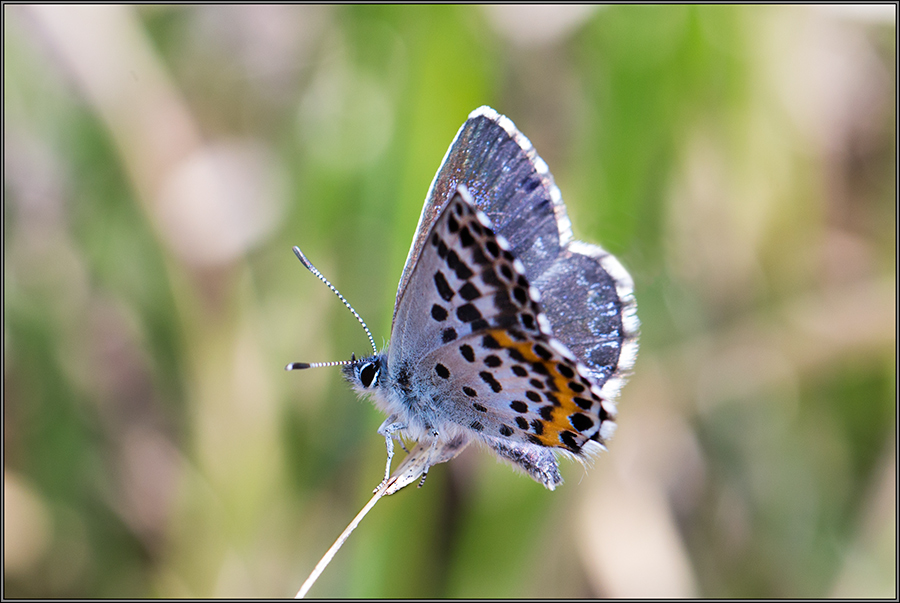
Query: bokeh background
x=160 y=161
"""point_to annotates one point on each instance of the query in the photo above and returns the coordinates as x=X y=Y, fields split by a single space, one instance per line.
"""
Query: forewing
x=587 y=294
x=475 y=330
x=465 y=280
x=508 y=182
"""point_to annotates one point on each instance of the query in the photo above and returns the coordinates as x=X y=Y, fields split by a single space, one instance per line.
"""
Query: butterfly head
x=365 y=374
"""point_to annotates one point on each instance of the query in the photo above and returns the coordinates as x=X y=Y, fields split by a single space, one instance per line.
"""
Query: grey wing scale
x=499 y=167
x=588 y=295
x=475 y=335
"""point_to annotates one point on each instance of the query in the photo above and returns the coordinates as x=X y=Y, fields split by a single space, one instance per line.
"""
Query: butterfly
x=506 y=330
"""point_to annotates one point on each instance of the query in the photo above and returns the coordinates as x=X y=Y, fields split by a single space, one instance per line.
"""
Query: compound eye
x=368 y=374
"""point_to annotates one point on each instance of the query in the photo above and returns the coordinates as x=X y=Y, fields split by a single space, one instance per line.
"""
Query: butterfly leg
x=390 y=427
x=434 y=442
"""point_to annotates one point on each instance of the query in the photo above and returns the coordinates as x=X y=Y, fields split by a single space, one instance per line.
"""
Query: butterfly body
x=506 y=330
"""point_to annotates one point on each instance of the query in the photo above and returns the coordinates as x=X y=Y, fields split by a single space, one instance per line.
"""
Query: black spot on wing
x=491 y=381
x=518 y=406
x=581 y=422
x=490 y=343
x=438 y=312
x=565 y=371
x=480 y=325
x=489 y=277
x=583 y=403
x=469 y=292
x=465 y=237
x=468 y=313
x=568 y=438
x=463 y=272
x=543 y=352
x=443 y=287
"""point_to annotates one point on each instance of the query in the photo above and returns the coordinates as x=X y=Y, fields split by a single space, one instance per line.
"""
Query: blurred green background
x=159 y=162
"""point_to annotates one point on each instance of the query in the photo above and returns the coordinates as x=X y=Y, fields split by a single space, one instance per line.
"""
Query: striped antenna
x=296 y=366
x=304 y=365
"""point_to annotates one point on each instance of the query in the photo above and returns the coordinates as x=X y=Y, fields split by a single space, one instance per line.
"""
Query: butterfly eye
x=368 y=374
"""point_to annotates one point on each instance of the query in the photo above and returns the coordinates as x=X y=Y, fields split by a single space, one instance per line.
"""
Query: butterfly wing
x=463 y=274
x=588 y=295
x=499 y=167
x=588 y=298
x=485 y=351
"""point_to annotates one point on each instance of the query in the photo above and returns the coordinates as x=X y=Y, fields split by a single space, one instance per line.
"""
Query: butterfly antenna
x=296 y=366
x=302 y=365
